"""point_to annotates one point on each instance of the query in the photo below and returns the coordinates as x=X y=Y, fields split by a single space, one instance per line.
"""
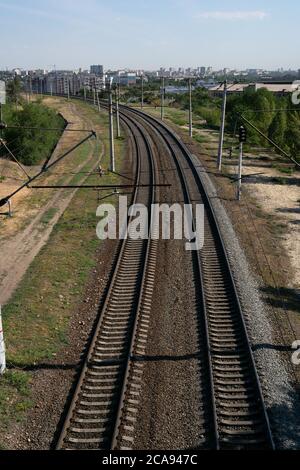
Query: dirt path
x=18 y=251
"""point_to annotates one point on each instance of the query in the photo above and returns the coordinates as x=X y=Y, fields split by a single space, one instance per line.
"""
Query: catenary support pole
x=162 y=111
x=222 y=128
x=190 y=109
x=9 y=208
x=2 y=347
x=111 y=130
x=240 y=171
x=98 y=102
x=117 y=111
x=142 y=98
x=30 y=87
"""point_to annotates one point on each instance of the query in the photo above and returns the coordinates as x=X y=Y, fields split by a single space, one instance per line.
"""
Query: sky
x=148 y=34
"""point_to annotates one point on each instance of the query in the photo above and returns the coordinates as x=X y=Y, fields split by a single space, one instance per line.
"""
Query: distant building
x=97 y=70
x=123 y=78
x=279 y=89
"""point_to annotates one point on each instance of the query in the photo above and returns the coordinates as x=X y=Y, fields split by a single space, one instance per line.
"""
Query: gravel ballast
x=281 y=398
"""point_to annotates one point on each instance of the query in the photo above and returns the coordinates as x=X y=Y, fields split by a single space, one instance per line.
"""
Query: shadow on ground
x=283 y=297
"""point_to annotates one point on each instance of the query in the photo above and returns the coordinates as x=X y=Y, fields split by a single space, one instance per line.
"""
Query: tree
x=33 y=146
x=278 y=128
x=256 y=106
x=13 y=89
x=292 y=134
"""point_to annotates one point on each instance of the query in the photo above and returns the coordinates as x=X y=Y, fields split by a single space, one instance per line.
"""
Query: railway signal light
x=242 y=134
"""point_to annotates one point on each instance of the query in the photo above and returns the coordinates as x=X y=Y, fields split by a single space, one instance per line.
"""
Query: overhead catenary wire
x=15 y=159
x=249 y=123
x=54 y=129
x=4 y=200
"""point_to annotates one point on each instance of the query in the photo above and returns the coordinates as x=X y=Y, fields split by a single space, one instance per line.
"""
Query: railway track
x=239 y=418
x=104 y=408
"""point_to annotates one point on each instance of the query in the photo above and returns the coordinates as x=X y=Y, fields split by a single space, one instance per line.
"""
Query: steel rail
x=213 y=437
x=164 y=131
x=233 y=365
x=139 y=307
x=124 y=364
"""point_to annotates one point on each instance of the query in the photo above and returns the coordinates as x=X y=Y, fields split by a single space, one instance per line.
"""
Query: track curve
x=235 y=415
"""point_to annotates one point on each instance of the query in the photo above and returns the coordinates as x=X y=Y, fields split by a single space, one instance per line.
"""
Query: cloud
x=233 y=15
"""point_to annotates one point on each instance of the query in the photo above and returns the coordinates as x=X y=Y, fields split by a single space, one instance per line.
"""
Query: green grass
x=36 y=318
x=201 y=139
x=48 y=215
x=14 y=396
x=286 y=171
x=176 y=116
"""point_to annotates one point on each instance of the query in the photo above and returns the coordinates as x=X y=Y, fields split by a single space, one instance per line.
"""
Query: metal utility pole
x=68 y=90
x=242 y=139
x=162 y=111
x=111 y=129
x=30 y=87
x=98 y=102
x=190 y=109
x=2 y=102
x=240 y=171
x=117 y=111
x=94 y=95
x=142 y=99
x=84 y=92
x=221 y=140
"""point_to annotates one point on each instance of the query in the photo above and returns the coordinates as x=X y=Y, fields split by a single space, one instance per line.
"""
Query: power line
x=269 y=140
x=15 y=159
x=4 y=200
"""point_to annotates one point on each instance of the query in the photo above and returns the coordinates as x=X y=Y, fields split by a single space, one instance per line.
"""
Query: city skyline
x=148 y=36
x=139 y=70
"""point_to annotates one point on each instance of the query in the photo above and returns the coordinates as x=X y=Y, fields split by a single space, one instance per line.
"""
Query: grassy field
x=37 y=317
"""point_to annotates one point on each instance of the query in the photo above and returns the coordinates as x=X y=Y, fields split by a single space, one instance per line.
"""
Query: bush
x=32 y=147
x=211 y=115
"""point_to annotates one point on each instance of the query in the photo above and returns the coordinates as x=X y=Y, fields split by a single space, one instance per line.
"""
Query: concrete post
x=111 y=131
x=222 y=129
x=240 y=171
x=190 y=110
x=2 y=348
x=162 y=111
